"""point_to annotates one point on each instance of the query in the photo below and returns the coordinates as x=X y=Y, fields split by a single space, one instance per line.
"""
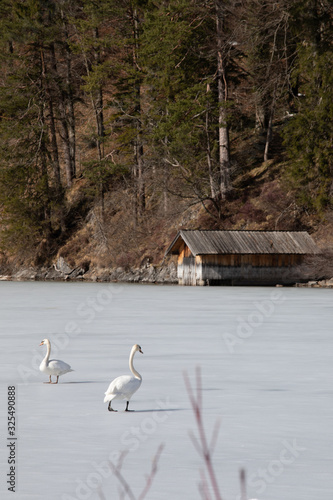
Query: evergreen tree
x=188 y=52
x=96 y=40
x=28 y=183
x=125 y=102
x=308 y=135
x=270 y=48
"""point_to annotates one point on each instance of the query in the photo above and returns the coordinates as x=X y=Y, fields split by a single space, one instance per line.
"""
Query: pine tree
x=308 y=135
x=188 y=48
x=125 y=101
x=94 y=42
x=269 y=46
x=23 y=180
x=31 y=194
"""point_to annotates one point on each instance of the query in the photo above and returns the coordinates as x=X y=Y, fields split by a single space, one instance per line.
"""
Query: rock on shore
x=61 y=271
x=317 y=284
x=147 y=273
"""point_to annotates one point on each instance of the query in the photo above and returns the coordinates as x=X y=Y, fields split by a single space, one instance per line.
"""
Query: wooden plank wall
x=255 y=260
x=207 y=269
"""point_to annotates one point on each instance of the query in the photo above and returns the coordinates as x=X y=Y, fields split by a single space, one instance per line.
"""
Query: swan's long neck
x=48 y=352
x=133 y=370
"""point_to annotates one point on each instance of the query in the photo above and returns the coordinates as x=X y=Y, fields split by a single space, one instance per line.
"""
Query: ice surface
x=266 y=361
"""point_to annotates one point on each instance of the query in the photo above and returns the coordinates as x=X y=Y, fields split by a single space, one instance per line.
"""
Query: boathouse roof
x=243 y=242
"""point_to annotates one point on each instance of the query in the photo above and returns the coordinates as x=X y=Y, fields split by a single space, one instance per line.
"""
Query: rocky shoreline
x=147 y=273
x=61 y=271
x=316 y=284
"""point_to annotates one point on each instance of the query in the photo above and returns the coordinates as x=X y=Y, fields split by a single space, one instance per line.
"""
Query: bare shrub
x=125 y=260
x=251 y=213
x=204 y=449
x=273 y=195
x=74 y=247
x=126 y=489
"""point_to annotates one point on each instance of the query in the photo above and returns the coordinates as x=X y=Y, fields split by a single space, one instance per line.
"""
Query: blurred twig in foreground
x=126 y=489
x=204 y=449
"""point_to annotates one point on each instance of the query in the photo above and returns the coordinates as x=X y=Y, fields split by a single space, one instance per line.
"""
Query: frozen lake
x=267 y=373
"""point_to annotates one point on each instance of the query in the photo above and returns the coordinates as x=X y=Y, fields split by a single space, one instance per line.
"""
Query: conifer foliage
x=151 y=96
x=309 y=135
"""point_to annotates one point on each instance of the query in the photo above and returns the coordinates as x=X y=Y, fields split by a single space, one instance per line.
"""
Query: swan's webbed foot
x=50 y=381
x=56 y=380
x=110 y=408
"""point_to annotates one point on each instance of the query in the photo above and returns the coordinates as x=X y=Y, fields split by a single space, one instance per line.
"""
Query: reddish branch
x=204 y=449
x=116 y=469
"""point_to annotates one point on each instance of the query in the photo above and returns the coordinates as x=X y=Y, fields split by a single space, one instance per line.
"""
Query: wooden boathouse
x=239 y=257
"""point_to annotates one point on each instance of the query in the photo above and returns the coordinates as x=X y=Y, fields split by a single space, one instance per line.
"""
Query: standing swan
x=125 y=386
x=54 y=366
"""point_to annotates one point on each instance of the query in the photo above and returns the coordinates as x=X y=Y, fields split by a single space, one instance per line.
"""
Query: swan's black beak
x=140 y=350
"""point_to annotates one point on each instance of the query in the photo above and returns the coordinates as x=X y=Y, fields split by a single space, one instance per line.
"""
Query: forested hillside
x=124 y=120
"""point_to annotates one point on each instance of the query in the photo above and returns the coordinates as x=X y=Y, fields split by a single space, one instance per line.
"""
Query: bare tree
x=138 y=169
x=224 y=143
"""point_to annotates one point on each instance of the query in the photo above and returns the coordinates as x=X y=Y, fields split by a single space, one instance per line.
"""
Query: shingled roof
x=244 y=242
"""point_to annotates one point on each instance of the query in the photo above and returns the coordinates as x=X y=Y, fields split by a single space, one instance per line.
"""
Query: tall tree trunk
x=54 y=146
x=135 y=192
x=98 y=105
x=209 y=154
x=269 y=136
x=262 y=114
x=69 y=103
x=269 y=133
x=42 y=157
x=97 y=101
x=63 y=122
x=224 y=144
x=53 y=132
x=165 y=188
x=98 y=108
x=138 y=146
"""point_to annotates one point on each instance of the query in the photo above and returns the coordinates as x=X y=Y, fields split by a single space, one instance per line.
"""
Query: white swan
x=54 y=366
x=125 y=386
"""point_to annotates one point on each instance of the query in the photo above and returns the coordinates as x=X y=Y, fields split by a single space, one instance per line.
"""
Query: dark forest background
x=123 y=121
